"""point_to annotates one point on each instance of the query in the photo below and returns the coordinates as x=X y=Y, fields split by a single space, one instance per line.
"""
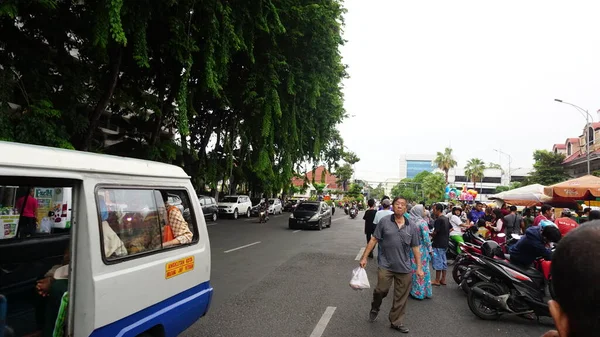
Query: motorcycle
x=508 y=289
x=353 y=213
x=466 y=259
x=346 y=210
x=470 y=236
x=262 y=216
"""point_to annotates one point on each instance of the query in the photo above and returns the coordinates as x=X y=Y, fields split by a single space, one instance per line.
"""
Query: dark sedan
x=310 y=214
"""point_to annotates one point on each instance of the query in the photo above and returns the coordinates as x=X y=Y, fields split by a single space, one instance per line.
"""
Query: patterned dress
x=421 y=287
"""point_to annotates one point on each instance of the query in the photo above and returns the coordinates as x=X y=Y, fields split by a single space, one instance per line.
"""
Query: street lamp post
x=509 y=162
x=587 y=129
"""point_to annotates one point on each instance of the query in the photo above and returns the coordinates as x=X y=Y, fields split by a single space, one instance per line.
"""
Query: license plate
x=301 y=221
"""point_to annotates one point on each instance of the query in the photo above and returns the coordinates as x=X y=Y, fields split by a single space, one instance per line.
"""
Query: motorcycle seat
x=529 y=271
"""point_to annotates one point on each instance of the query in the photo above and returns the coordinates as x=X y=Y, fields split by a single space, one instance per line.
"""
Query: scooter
x=346 y=209
x=262 y=216
x=353 y=213
x=507 y=289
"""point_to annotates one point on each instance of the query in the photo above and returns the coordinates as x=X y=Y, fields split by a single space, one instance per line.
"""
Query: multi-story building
x=575 y=151
x=413 y=164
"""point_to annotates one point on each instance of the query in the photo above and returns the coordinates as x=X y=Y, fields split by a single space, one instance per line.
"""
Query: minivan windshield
x=230 y=199
x=307 y=207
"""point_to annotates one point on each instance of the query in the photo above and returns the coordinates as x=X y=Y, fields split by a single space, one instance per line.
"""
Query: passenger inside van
x=113 y=246
x=51 y=289
x=176 y=223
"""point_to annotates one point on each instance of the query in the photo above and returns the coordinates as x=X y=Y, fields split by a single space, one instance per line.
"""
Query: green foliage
x=445 y=162
x=254 y=83
x=500 y=189
x=495 y=166
x=433 y=187
x=547 y=168
x=344 y=174
x=319 y=187
x=355 y=191
x=475 y=170
x=378 y=192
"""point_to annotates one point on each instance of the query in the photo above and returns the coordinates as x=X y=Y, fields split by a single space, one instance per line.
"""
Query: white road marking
x=296 y=231
x=360 y=254
x=338 y=219
x=211 y=224
x=241 y=247
x=322 y=324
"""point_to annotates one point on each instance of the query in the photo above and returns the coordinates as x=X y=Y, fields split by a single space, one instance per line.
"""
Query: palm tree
x=445 y=161
x=474 y=170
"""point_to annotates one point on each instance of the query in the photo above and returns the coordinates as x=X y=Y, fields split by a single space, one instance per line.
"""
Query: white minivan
x=99 y=238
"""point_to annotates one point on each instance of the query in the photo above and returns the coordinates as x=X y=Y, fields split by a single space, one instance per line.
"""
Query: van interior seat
x=23 y=262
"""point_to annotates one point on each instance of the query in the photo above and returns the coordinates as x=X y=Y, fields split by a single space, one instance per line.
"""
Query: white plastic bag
x=359 y=279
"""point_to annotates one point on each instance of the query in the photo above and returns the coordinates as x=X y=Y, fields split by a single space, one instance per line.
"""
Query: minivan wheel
x=248 y=213
x=235 y=214
x=214 y=217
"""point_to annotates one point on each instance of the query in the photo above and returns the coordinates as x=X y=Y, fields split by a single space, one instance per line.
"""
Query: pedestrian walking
x=441 y=235
x=421 y=286
x=396 y=237
x=369 y=217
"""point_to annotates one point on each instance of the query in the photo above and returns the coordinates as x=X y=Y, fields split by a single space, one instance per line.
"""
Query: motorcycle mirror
x=501 y=235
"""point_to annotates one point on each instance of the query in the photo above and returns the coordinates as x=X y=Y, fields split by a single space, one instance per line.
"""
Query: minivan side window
x=138 y=221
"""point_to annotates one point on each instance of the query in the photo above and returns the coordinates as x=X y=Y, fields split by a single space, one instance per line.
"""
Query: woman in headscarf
x=421 y=287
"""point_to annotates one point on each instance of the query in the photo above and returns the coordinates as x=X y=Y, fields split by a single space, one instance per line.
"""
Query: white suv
x=235 y=205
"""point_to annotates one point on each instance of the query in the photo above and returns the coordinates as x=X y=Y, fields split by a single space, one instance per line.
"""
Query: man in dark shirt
x=441 y=235
x=369 y=217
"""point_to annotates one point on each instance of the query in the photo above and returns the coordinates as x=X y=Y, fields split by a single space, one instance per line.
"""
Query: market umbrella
x=530 y=195
x=582 y=188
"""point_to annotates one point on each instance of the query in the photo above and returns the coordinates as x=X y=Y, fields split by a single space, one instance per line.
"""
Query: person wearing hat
x=565 y=223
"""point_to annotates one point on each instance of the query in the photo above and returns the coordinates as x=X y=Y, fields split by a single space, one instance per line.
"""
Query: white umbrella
x=530 y=195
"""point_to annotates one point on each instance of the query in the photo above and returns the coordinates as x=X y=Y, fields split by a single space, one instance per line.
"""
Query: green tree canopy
x=445 y=162
x=547 y=168
x=475 y=170
x=234 y=92
x=433 y=187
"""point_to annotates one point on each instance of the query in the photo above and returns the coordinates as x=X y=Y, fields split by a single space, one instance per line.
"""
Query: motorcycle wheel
x=477 y=304
x=459 y=269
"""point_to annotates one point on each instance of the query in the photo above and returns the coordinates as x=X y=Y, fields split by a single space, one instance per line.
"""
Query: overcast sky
x=473 y=75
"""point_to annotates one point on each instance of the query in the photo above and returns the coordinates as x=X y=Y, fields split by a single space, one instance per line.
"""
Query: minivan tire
x=235 y=214
x=248 y=213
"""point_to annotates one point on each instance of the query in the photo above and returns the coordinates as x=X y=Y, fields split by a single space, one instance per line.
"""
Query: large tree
x=547 y=168
x=474 y=170
x=433 y=187
x=234 y=92
x=445 y=162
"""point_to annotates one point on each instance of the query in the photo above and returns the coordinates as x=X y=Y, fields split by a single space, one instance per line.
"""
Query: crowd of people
x=410 y=237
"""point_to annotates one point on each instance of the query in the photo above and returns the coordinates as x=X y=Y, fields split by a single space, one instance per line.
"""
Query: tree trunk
x=446 y=172
x=94 y=118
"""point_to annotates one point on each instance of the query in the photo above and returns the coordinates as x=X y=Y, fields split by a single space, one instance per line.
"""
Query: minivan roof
x=42 y=157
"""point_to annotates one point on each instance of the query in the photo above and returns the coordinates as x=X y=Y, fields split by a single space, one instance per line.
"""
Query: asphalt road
x=272 y=281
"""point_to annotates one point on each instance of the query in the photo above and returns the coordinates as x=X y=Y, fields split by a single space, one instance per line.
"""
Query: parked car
x=290 y=205
x=275 y=206
x=234 y=205
x=310 y=214
x=209 y=207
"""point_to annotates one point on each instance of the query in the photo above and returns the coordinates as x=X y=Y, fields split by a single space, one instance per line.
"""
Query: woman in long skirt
x=421 y=287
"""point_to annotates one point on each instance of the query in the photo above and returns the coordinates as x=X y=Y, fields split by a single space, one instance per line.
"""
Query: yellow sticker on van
x=179 y=267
